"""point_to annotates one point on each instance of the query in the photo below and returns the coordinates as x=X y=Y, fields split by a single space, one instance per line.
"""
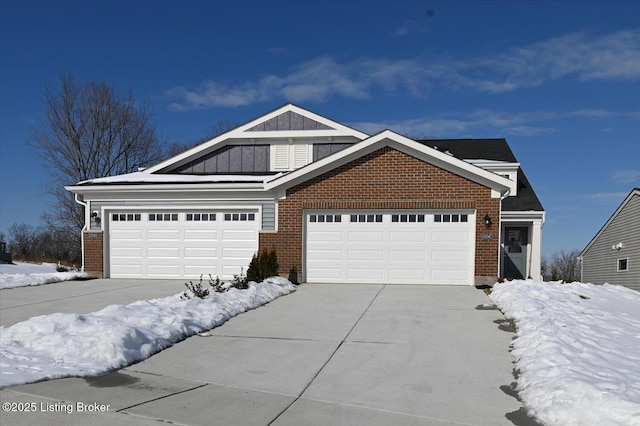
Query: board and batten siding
x=600 y=260
x=268 y=208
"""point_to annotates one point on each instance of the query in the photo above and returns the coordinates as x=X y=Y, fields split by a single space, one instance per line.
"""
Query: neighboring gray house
x=613 y=255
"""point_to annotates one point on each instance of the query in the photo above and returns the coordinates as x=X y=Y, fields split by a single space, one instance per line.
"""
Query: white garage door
x=181 y=244
x=398 y=247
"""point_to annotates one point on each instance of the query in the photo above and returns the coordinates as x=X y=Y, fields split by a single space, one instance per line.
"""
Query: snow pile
x=577 y=350
x=26 y=274
x=61 y=345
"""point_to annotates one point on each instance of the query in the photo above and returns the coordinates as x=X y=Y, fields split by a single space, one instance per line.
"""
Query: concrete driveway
x=324 y=355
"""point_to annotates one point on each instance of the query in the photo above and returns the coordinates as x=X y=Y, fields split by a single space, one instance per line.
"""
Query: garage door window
x=201 y=217
x=125 y=217
x=163 y=217
x=239 y=217
x=368 y=218
x=407 y=218
x=329 y=218
x=447 y=218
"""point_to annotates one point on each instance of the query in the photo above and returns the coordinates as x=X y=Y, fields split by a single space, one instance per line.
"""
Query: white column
x=536 y=249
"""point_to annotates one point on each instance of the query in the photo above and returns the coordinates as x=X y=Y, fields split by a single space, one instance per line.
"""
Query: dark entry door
x=515 y=251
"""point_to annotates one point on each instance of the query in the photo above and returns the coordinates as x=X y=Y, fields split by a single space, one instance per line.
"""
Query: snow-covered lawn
x=577 y=351
x=25 y=274
x=62 y=345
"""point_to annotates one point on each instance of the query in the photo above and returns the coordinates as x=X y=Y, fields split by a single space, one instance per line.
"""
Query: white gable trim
x=634 y=192
x=241 y=132
x=498 y=184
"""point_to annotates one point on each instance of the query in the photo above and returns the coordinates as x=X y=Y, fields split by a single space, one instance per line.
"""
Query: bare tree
x=565 y=266
x=90 y=131
x=217 y=129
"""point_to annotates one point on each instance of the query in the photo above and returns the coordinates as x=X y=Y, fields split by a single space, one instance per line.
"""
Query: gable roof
x=286 y=121
x=401 y=143
x=634 y=192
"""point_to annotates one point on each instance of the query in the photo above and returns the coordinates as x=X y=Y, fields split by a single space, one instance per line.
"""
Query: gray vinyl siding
x=229 y=159
x=600 y=261
x=268 y=208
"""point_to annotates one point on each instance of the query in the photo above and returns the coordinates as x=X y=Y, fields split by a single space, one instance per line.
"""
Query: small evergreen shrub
x=263 y=265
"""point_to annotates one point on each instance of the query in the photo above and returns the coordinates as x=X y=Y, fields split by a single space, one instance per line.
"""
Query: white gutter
x=86 y=208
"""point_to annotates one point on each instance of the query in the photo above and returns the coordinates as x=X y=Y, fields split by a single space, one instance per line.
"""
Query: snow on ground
x=25 y=274
x=577 y=350
x=62 y=345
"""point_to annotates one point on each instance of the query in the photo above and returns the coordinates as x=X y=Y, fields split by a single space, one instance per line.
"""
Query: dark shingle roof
x=491 y=149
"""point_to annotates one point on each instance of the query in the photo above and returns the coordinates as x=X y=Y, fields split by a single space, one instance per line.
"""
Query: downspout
x=500 y=256
x=84 y=228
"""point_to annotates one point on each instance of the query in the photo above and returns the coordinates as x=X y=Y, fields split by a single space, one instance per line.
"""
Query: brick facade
x=384 y=179
x=93 y=253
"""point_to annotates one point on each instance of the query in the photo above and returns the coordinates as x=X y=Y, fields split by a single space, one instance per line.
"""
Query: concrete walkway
x=324 y=355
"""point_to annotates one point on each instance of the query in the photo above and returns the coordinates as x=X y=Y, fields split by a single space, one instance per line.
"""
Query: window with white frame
x=239 y=217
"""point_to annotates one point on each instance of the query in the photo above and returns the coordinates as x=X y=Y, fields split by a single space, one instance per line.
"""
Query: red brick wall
x=93 y=253
x=384 y=179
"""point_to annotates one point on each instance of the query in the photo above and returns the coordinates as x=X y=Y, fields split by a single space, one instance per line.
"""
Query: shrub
x=263 y=265
x=196 y=289
x=240 y=281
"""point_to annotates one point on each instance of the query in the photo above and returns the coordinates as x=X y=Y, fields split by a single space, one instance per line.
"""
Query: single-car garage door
x=394 y=247
x=181 y=244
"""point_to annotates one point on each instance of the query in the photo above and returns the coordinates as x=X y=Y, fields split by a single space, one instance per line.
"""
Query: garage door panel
x=405 y=237
x=199 y=252
x=323 y=255
x=238 y=235
x=129 y=269
x=164 y=252
x=195 y=271
x=407 y=255
x=237 y=253
x=118 y=252
x=405 y=247
x=325 y=236
x=365 y=236
x=445 y=256
x=165 y=271
x=164 y=234
x=200 y=235
x=365 y=255
x=406 y=274
x=127 y=234
x=364 y=275
x=450 y=237
x=330 y=274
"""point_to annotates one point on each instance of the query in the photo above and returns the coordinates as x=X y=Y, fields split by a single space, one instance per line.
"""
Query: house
x=337 y=204
x=613 y=255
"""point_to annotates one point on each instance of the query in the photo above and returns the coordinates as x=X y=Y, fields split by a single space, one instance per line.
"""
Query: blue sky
x=559 y=80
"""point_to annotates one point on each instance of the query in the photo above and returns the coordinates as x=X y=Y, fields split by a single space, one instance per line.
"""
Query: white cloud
x=613 y=56
x=626 y=176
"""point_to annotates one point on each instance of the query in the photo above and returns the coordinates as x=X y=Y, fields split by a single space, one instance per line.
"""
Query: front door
x=514 y=246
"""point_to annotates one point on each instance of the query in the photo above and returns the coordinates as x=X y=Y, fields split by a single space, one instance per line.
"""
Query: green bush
x=196 y=289
x=263 y=265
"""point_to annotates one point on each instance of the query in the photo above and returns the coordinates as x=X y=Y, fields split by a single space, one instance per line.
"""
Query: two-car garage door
x=181 y=244
x=401 y=247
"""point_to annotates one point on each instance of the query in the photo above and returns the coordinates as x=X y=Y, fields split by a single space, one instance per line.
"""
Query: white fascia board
x=242 y=133
x=166 y=188
x=403 y=144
